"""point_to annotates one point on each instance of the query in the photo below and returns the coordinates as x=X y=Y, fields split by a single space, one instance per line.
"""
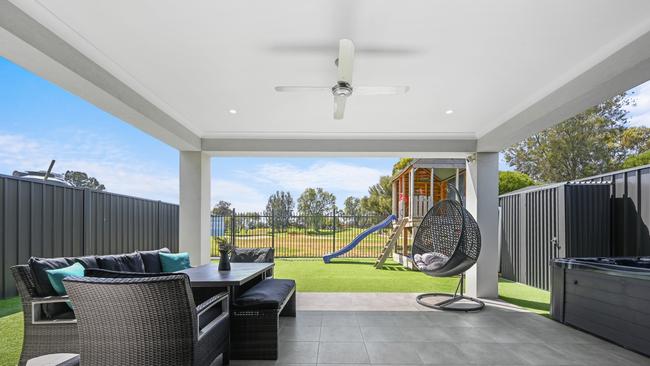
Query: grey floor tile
x=490 y=353
x=300 y=333
x=347 y=319
x=538 y=354
x=440 y=319
x=382 y=334
x=298 y=352
x=341 y=334
x=591 y=354
x=342 y=352
x=376 y=320
x=393 y=353
x=441 y=354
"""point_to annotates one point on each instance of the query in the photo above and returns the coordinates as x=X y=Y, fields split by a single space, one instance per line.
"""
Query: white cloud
x=330 y=175
x=242 y=197
x=113 y=164
x=640 y=113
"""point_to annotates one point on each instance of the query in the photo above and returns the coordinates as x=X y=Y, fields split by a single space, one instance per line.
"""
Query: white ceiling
x=486 y=60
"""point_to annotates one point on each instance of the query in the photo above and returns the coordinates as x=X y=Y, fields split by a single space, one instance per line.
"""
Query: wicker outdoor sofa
x=49 y=323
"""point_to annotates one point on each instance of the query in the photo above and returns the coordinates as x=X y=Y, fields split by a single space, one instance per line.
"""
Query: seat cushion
x=151 y=260
x=131 y=262
x=268 y=294
x=252 y=255
x=105 y=273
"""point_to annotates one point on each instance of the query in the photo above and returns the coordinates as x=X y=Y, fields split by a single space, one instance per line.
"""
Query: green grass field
x=312 y=275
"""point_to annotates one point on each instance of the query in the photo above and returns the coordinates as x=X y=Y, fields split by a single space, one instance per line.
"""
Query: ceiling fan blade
x=346 y=60
x=293 y=89
x=339 y=106
x=380 y=90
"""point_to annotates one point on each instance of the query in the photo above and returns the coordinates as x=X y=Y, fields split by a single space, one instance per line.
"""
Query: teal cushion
x=172 y=262
x=56 y=276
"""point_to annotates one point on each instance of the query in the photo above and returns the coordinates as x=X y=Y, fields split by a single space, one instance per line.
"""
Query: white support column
x=482 y=202
x=411 y=192
x=194 y=212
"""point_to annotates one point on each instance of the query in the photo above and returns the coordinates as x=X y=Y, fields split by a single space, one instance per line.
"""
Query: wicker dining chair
x=147 y=321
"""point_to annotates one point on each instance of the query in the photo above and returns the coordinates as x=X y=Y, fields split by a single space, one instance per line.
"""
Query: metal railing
x=299 y=236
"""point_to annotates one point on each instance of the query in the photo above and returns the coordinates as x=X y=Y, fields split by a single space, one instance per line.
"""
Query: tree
x=222 y=208
x=586 y=144
x=82 y=180
x=637 y=160
x=636 y=139
x=379 y=200
x=401 y=164
x=280 y=205
x=314 y=203
x=352 y=206
x=512 y=181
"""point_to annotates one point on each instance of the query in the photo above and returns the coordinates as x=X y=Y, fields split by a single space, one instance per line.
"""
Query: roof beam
x=621 y=71
x=340 y=147
x=27 y=43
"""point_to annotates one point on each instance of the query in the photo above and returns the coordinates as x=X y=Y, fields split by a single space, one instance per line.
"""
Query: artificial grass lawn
x=312 y=275
x=11 y=331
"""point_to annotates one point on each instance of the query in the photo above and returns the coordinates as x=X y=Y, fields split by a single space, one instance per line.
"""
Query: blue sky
x=40 y=121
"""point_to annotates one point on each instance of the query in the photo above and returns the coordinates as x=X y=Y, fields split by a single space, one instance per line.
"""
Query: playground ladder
x=390 y=244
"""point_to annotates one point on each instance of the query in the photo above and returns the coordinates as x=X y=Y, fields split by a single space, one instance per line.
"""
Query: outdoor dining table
x=240 y=275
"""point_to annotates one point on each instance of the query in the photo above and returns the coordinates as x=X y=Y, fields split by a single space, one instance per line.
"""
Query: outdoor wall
x=48 y=220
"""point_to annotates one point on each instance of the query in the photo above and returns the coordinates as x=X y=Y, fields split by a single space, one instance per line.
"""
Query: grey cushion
x=124 y=262
x=252 y=255
x=39 y=266
x=88 y=261
x=151 y=260
x=268 y=294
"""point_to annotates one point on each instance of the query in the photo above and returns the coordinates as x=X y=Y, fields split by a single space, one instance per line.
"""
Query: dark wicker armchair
x=254 y=255
x=43 y=335
x=147 y=321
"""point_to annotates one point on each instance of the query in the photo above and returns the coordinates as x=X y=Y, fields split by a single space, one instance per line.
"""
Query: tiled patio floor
x=391 y=329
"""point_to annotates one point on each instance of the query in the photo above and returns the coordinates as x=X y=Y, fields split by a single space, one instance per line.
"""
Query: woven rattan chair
x=147 y=321
x=42 y=336
x=448 y=243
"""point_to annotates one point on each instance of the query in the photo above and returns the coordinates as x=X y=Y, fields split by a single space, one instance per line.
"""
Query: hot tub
x=608 y=297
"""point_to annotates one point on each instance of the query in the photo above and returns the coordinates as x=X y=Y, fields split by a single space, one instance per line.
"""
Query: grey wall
x=47 y=220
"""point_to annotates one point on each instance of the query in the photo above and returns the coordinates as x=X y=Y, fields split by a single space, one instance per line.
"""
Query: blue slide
x=328 y=257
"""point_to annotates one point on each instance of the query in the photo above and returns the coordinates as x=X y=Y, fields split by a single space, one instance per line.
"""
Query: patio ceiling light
x=232 y=111
x=449 y=111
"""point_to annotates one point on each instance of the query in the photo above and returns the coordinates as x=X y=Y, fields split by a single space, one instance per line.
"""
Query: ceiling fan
x=343 y=87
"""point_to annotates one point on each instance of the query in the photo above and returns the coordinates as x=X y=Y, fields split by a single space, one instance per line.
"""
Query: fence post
x=272 y=228
x=334 y=229
x=232 y=227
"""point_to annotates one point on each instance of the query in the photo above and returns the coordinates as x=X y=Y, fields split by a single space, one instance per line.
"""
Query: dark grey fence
x=48 y=220
x=298 y=236
x=543 y=223
x=630 y=210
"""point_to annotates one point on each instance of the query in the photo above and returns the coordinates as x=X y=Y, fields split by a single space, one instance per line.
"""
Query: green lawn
x=342 y=275
x=11 y=331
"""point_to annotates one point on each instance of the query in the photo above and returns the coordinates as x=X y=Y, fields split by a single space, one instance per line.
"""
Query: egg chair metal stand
x=449 y=233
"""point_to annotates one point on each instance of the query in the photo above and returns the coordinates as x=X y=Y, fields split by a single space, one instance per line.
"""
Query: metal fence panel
x=299 y=236
x=46 y=220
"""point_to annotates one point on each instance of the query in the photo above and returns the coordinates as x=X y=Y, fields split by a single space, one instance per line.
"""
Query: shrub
x=512 y=181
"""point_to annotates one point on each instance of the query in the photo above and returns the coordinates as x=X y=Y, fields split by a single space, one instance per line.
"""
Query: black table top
x=208 y=275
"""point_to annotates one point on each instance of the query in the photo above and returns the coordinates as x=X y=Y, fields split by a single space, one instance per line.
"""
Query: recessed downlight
x=232 y=111
x=449 y=111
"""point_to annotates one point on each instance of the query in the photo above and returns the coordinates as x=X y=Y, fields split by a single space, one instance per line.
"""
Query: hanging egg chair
x=447 y=243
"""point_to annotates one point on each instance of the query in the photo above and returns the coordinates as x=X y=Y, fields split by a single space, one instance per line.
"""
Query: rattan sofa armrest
x=37 y=313
x=222 y=299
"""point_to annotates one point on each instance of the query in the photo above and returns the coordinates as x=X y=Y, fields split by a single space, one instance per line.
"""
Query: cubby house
x=416 y=188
